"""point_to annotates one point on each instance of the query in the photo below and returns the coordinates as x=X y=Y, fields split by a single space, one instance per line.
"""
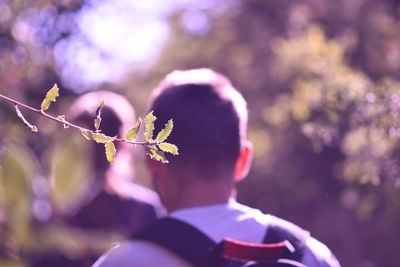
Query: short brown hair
x=210 y=120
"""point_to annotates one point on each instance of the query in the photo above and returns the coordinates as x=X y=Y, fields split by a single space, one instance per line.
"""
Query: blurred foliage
x=18 y=168
x=31 y=210
x=337 y=105
x=69 y=183
x=322 y=82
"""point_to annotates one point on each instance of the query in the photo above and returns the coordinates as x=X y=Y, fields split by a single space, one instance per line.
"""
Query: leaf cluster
x=155 y=148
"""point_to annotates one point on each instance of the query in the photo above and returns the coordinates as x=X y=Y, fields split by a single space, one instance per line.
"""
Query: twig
x=19 y=114
x=64 y=122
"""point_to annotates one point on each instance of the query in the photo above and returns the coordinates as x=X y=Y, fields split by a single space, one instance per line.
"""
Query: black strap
x=169 y=233
x=280 y=230
x=192 y=245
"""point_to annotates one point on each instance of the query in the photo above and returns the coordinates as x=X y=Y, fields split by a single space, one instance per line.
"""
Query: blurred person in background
x=197 y=187
x=111 y=202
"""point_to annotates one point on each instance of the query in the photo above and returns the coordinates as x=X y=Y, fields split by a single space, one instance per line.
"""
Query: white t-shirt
x=232 y=220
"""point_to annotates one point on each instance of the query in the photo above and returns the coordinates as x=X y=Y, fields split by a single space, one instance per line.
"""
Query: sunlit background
x=93 y=42
x=321 y=79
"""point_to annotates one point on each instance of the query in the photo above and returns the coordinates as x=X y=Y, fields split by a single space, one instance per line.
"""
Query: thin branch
x=64 y=122
x=19 y=114
x=15 y=102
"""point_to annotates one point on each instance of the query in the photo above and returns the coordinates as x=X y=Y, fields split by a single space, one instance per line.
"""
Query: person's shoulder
x=138 y=253
x=287 y=225
x=318 y=254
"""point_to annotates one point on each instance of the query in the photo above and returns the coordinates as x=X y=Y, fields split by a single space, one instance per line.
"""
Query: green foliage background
x=322 y=83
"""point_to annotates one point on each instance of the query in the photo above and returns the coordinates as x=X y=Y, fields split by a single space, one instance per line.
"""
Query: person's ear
x=243 y=162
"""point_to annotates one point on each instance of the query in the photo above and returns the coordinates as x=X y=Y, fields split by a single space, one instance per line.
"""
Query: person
x=112 y=203
x=197 y=186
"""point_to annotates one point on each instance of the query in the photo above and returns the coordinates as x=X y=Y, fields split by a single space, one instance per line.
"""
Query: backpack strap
x=192 y=245
x=181 y=238
x=280 y=230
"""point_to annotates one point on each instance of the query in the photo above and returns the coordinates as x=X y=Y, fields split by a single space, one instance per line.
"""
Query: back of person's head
x=117 y=114
x=210 y=120
x=117 y=117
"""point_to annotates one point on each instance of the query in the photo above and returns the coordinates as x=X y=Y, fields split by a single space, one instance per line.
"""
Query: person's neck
x=200 y=194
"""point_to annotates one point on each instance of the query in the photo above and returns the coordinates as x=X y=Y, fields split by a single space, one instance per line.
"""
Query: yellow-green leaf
x=102 y=138
x=110 y=151
x=132 y=133
x=101 y=104
x=86 y=134
x=50 y=97
x=149 y=121
x=170 y=148
x=156 y=154
x=97 y=122
x=164 y=133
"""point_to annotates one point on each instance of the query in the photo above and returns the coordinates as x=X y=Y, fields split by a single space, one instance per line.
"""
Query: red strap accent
x=244 y=251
